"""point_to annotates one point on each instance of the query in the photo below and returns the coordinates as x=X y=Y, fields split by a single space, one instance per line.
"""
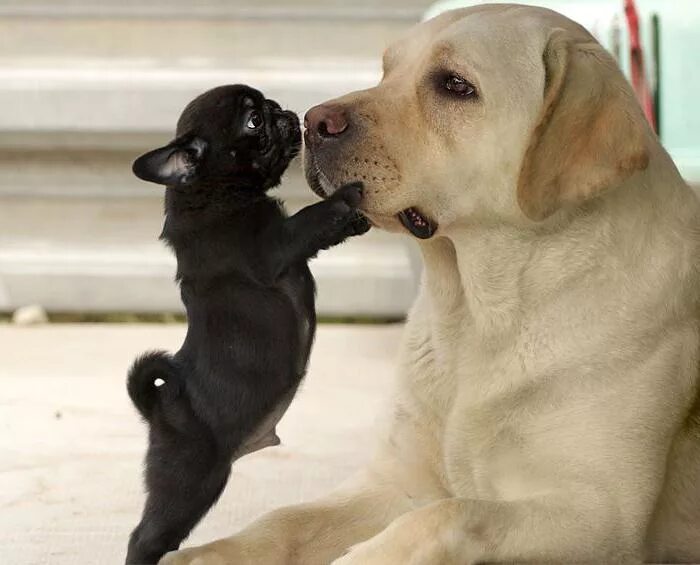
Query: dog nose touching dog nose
x=322 y=122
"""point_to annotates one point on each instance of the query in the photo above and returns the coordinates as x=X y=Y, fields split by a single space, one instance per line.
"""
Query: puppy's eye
x=459 y=86
x=254 y=120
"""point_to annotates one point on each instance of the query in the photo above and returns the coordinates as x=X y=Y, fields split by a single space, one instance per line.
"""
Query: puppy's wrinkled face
x=228 y=135
x=441 y=139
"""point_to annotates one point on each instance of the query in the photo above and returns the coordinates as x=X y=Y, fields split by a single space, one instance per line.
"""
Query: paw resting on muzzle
x=328 y=127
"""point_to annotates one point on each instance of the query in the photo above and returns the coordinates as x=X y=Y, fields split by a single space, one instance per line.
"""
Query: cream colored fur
x=547 y=406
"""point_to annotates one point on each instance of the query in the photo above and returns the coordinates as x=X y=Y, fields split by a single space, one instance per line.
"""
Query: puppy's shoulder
x=270 y=209
x=279 y=206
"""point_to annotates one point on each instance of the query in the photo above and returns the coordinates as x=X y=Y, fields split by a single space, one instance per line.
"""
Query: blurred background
x=87 y=85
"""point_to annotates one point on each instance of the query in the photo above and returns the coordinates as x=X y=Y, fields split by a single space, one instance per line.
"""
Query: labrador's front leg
x=305 y=534
x=459 y=532
x=428 y=536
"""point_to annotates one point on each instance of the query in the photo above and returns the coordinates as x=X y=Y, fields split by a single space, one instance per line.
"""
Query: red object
x=639 y=77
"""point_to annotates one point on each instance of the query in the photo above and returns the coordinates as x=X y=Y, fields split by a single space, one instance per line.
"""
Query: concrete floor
x=71 y=444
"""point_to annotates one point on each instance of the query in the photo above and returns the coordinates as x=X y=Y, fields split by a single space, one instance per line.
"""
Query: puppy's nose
x=325 y=122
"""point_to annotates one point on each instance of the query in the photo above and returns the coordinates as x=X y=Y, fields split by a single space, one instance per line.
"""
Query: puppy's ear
x=591 y=135
x=173 y=165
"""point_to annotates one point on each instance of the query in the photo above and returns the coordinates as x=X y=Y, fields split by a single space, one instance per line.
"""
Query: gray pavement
x=71 y=444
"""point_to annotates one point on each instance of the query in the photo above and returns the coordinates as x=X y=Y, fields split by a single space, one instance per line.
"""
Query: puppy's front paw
x=350 y=194
x=342 y=219
x=359 y=225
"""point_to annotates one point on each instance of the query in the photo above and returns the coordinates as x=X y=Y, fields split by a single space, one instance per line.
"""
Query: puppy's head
x=488 y=114
x=228 y=135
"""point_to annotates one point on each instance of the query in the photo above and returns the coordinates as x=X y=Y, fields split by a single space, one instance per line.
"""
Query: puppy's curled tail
x=154 y=382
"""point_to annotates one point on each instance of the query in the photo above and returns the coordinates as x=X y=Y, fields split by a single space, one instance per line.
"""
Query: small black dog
x=249 y=296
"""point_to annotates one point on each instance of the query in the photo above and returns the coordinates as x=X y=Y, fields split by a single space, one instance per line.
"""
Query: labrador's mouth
x=417 y=223
x=318 y=181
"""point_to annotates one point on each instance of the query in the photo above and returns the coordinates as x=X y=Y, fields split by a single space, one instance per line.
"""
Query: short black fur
x=249 y=297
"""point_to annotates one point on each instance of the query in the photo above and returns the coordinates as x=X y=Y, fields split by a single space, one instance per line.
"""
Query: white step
x=141 y=96
x=361 y=279
x=80 y=234
x=304 y=10
x=86 y=86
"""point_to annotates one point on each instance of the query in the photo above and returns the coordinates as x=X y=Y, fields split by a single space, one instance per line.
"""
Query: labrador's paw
x=364 y=554
x=194 y=556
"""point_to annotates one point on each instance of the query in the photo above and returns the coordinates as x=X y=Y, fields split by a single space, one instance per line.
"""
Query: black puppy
x=249 y=297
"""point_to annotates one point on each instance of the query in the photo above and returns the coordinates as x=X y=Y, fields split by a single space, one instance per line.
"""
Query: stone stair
x=87 y=86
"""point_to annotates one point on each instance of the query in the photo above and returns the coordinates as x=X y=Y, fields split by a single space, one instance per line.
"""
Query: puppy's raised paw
x=359 y=225
x=350 y=194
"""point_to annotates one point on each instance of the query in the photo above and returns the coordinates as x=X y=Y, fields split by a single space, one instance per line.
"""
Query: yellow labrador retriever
x=548 y=405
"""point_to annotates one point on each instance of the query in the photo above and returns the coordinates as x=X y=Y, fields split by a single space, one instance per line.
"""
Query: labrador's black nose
x=324 y=122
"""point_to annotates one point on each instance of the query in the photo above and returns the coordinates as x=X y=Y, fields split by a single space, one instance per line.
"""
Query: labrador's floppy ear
x=591 y=135
x=173 y=165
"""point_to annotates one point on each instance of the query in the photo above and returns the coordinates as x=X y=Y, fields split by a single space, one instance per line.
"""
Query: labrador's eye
x=254 y=120
x=459 y=86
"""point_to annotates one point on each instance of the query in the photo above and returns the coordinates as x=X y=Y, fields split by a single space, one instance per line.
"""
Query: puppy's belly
x=298 y=286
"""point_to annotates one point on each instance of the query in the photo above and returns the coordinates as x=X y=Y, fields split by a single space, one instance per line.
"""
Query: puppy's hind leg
x=186 y=468
x=185 y=475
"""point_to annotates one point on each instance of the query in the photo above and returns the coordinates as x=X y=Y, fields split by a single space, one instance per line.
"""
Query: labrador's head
x=492 y=113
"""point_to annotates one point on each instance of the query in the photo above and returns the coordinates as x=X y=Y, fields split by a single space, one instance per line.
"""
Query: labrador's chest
x=472 y=422
x=489 y=441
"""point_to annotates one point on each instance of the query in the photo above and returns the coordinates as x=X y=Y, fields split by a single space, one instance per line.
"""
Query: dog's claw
x=359 y=225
